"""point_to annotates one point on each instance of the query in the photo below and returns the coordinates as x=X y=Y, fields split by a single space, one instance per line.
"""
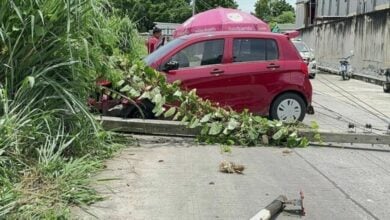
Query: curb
x=364 y=78
x=177 y=129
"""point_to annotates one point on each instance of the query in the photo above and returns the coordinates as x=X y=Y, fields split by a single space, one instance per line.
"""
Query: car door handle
x=273 y=66
x=217 y=71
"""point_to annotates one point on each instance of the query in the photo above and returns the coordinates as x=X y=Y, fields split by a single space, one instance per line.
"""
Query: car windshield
x=301 y=47
x=162 y=51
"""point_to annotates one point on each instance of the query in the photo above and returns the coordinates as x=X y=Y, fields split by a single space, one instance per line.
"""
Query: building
x=334 y=28
x=311 y=12
x=167 y=28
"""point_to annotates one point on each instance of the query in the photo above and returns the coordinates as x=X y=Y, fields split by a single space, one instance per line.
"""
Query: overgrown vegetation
x=51 y=53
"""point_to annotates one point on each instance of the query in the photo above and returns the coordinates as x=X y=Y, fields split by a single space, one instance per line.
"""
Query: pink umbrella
x=221 y=19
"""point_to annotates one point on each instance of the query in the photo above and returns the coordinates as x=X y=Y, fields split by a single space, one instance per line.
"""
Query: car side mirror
x=171 y=65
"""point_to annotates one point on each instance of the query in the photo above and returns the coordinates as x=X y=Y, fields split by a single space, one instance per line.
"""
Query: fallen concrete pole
x=174 y=128
x=271 y=210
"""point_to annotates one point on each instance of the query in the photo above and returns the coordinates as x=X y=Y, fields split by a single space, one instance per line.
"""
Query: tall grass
x=51 y=52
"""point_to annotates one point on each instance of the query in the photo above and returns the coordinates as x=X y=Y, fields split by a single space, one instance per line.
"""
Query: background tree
x=278 y=11
x=204 y=5
x=262 y=9
x=145 y=12
x=278 y=7
x=285 y=17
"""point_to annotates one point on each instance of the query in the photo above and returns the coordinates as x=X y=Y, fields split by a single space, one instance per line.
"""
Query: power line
x=358 y=99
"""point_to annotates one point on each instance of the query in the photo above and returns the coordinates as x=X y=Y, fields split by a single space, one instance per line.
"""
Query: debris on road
x=279 y=205
x=230 y=167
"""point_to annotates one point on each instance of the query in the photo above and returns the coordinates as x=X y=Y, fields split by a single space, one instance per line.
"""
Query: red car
x=262 y=72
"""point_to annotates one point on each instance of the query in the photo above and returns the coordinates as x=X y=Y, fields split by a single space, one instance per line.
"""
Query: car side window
x=246 y=50
x=200 y=54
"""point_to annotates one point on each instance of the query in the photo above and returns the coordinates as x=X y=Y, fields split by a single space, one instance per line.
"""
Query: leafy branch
x=218 y=125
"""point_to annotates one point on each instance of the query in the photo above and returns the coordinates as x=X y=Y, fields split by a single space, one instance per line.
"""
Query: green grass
x=51 y=53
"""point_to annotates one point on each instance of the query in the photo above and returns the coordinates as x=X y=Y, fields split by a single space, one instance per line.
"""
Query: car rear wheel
x=289 y=108
x=144 y=110
x=386 y=87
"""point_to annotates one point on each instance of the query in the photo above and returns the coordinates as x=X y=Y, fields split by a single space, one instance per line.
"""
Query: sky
x=248 y=5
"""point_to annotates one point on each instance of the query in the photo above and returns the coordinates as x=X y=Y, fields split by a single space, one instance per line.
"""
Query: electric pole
x=193 y=7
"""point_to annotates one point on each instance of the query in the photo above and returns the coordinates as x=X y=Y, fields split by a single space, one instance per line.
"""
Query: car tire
x=386 y=87
x=144 y=110
x=345 y=76
x=289 y=108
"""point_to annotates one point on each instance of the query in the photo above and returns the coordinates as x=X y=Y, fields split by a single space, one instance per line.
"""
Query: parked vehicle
x=345 y=67
x=259 y=71
x=386 y=84
x=307 y=55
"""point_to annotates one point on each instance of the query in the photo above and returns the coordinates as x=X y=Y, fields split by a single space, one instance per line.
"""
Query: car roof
x=231 y=34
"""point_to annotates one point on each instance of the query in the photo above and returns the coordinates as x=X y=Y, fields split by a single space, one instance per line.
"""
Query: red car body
x=238 y=78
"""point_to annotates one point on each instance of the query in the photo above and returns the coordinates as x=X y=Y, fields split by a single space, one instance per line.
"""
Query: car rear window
x=246 y=50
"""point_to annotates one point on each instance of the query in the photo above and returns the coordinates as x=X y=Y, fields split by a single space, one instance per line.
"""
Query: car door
x=254 y=74
x=201 y=68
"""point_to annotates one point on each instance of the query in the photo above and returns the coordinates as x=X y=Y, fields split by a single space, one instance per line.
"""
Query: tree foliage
x=145 y=12
x=285 y=17
x=275 y=11
x=204 y=5
x=217 y=124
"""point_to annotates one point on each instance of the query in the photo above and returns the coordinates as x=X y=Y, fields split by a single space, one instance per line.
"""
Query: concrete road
x=338 y=103
x=177 y=179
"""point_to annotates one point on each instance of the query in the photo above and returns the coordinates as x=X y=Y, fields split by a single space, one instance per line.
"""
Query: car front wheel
x=289 y=108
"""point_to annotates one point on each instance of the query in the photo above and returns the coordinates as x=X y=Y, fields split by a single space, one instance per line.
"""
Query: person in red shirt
x=154 y=41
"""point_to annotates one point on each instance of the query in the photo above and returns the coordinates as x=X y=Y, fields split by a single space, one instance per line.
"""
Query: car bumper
x=312 y=68
x=310 y=110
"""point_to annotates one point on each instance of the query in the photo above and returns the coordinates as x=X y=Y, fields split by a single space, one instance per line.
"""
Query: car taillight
x=305 y=69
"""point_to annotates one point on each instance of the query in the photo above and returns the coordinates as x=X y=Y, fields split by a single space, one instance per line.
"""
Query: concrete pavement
x=177 y=179
x=174 y=178
x=337 y=102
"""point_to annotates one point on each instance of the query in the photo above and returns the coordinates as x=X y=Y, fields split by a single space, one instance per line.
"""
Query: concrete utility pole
x=193 y=7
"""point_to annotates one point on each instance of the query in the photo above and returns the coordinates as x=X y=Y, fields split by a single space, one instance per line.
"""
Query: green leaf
x=178 y=93
x=170 y=112
x=157 y=99
x=184 y=119
x=145 y=95
x=215 y=128
x=125 y=89
x=158 y=110
x=205 y=130
x=278 y=135
x=178 y=114
x=233 y=124
x=194 y=123
x=31 y=81
x=205 y=118
x=120 y=83
x=134 y=93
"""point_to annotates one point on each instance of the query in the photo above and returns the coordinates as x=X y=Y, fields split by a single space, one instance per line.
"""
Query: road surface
x=178 y=179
